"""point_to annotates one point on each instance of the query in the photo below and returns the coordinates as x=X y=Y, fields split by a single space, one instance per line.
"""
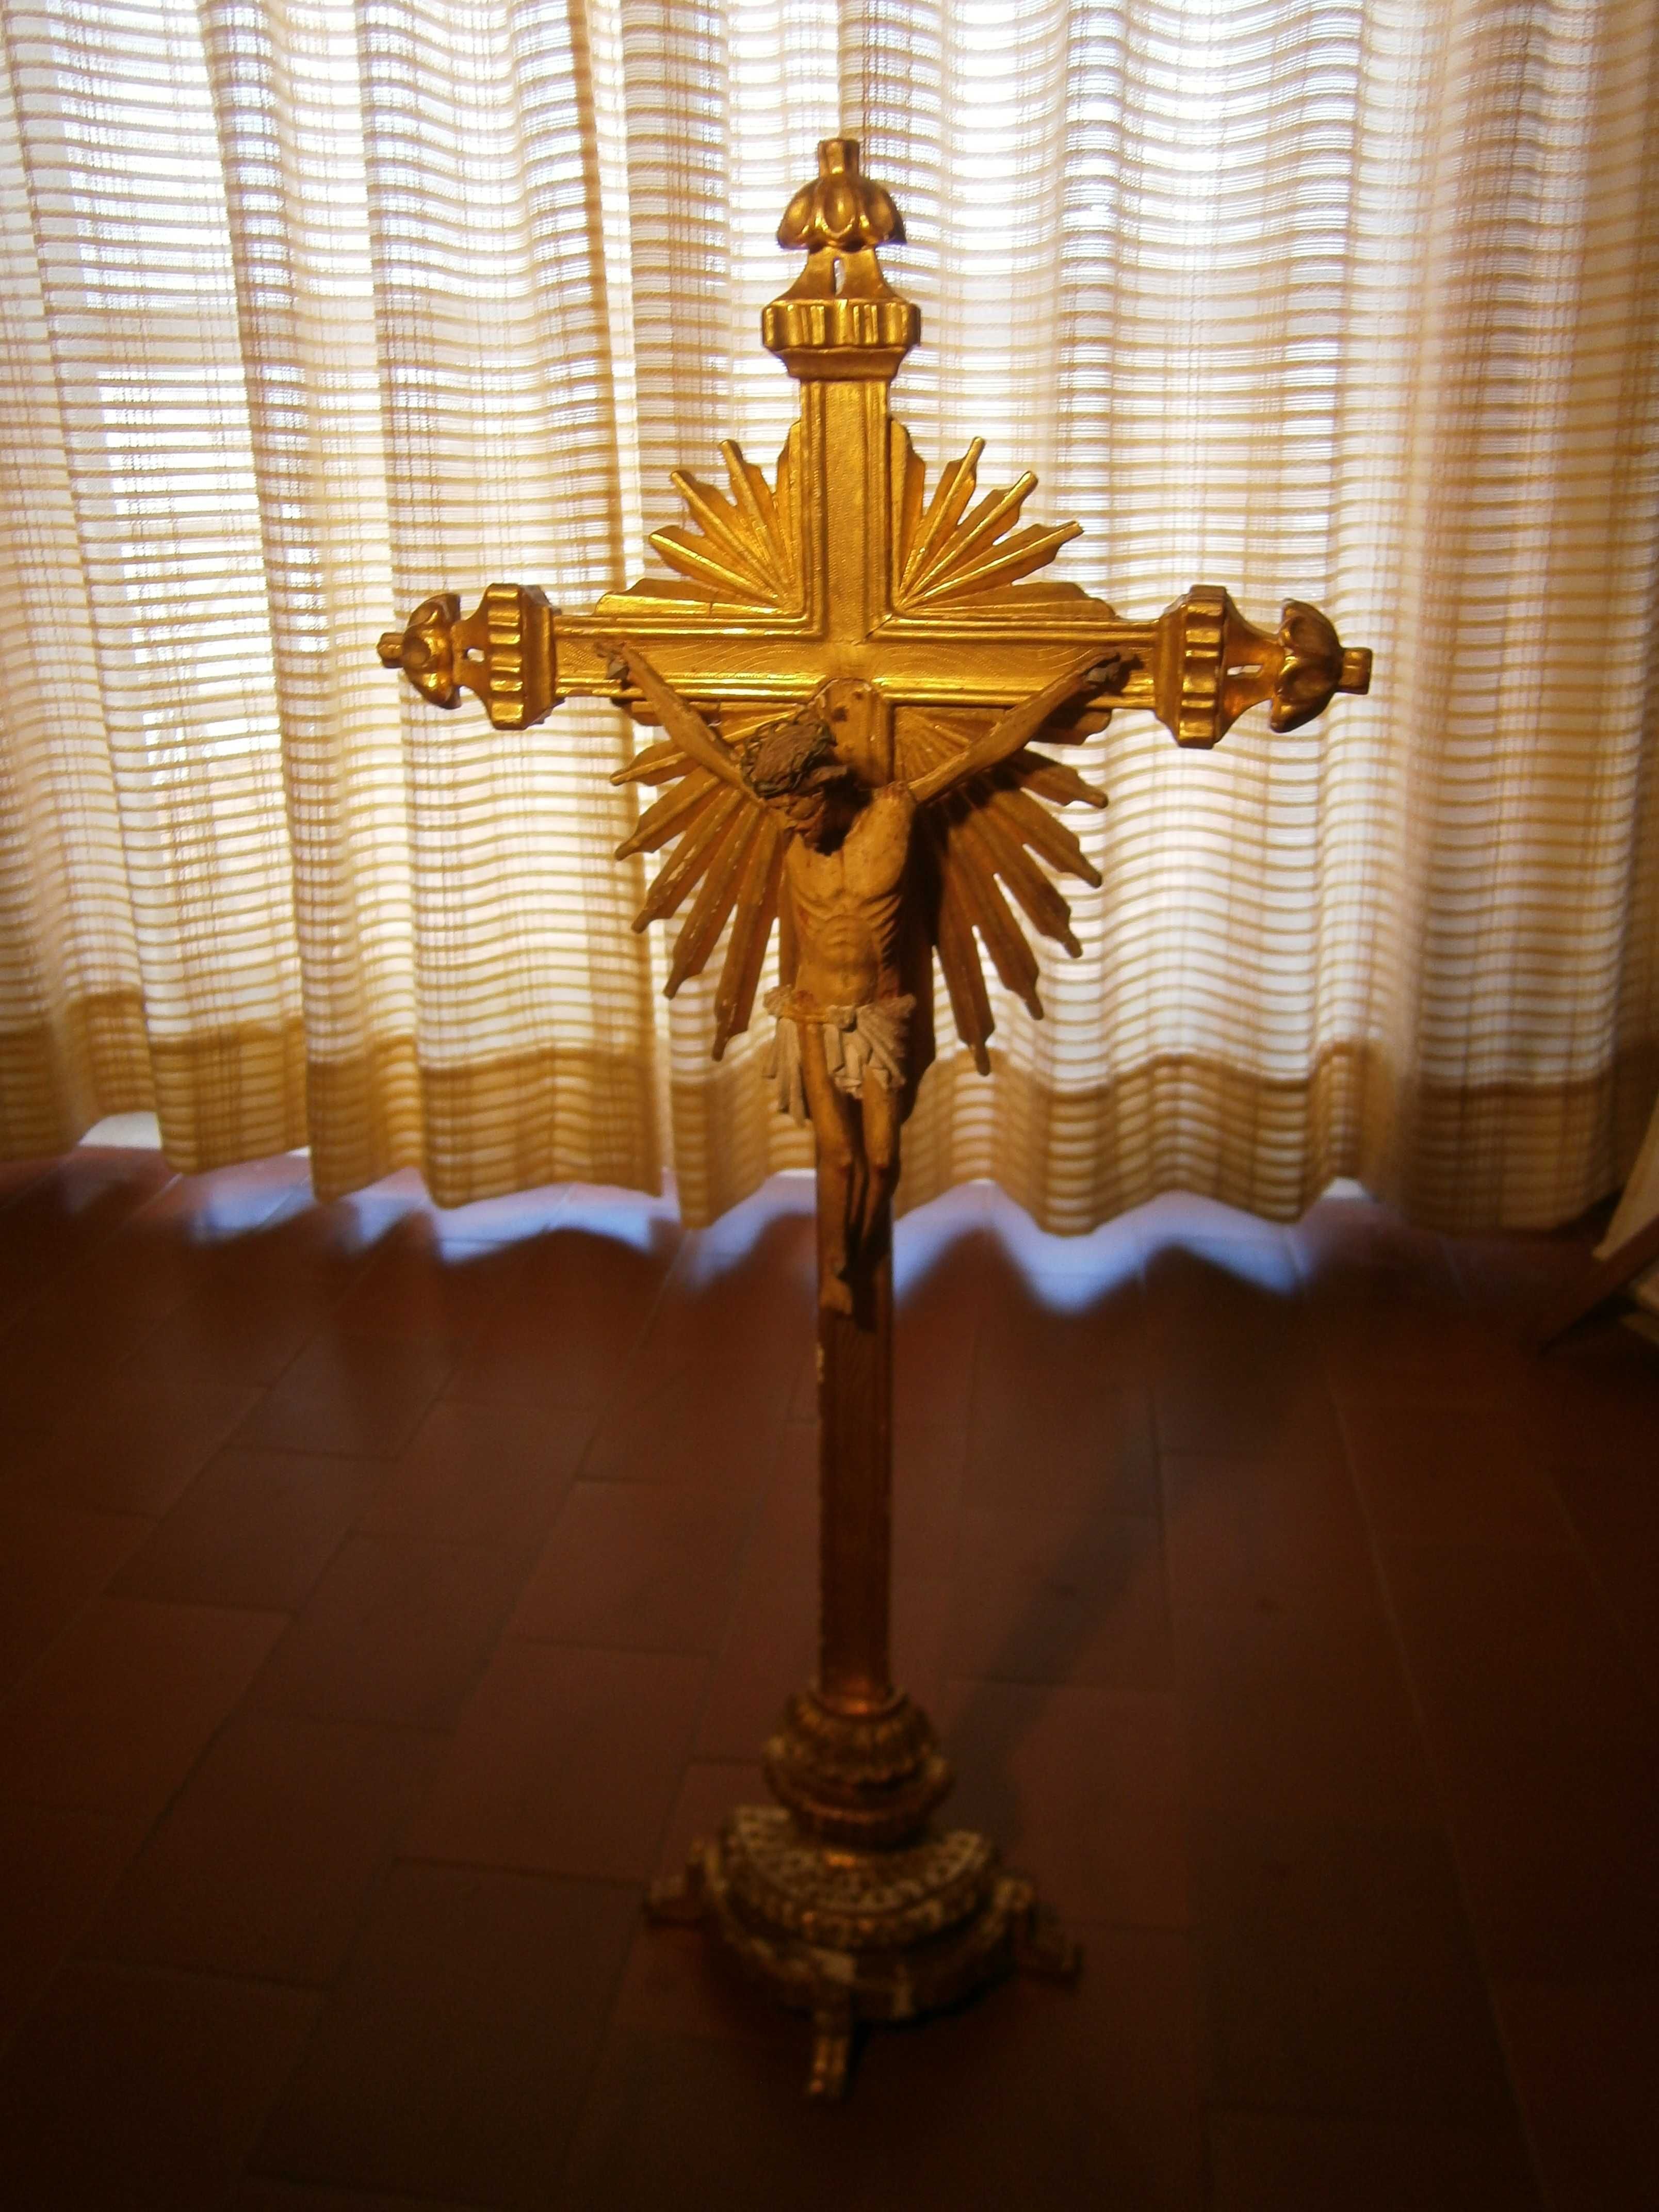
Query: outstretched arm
x=677 y=716
x=1020 y=724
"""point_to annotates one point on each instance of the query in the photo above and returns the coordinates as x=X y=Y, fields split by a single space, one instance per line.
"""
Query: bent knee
x=836 y=1151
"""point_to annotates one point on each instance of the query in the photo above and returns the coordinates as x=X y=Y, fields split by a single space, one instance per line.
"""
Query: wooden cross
x=842 y=580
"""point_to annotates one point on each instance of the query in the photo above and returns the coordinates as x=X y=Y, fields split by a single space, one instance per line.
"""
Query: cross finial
x=841 y=318
x=841 y=208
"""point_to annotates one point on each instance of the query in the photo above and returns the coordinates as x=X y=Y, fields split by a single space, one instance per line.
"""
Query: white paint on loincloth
x=861 y=1044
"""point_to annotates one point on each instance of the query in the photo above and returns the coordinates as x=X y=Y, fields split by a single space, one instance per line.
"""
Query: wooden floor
x=385 y=1596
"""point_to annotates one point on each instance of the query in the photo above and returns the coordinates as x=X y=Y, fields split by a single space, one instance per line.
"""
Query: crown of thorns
x=791 y=756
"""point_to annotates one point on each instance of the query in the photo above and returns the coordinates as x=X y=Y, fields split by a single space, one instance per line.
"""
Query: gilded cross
x=849 y=674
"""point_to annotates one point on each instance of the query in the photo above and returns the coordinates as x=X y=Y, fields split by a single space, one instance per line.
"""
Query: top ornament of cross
x=844 y=570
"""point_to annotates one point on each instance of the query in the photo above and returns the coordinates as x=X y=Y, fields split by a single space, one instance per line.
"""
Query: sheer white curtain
x=308 y=308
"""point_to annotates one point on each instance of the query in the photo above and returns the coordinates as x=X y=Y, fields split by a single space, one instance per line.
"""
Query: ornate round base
x=861 y=1935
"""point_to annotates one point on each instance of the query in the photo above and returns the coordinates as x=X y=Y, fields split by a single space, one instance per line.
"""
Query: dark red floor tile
x=54 y=1559
x=1547 y=1753
x=1061 y=1336
x=1555 y=1846
x=138 y=2090
x=254 y=1528
x=1519 y=1277
x=1083 y=1453
x=935 y=1343
x=567 y=1763
x=1381 y=1356
x=1294 y=2162
x=1515 y=1645
x=930 y=1463
x=260 y=2193
x=710 y=1424
x=1449 y=1475
x=267 y=1292
x=1346 y=2023
x=771 y=1650
x=1060 y=1598
x=1280 y=1533
x=782 y=1551
x=1079 y=1788
x=481 y=1474
x=84 y=1324
x=119 y=1710
x=1341 y=1975
x=677 y=1981
x=130 y=1444
x=920 y=1620
x=362 y=1395
x=637 y=1567
x=420 y=1282
x=262 y=1864
x=1615 y=1511
x=241 y=1332
x=18 y=1175
x=1299 y=1714
x=1585 y=2057
x=396 y=1633
x=452 y=2058
x=565 y=1336
x=1234 y=1361
x=58 y=1218
x=1353 y=1251
x=758 y=1287
x=56 y=1865
x=1594 y=1399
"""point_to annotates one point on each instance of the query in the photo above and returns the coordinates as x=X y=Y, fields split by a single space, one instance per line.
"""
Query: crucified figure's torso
x=847 y=905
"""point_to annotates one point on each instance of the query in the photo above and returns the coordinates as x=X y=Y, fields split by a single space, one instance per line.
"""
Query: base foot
x=676 y=1900
x=1043 y=1948
x=832 y=2054
x=850 y=1936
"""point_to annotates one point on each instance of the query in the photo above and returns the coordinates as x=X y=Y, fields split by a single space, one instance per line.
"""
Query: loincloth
x=861 y=1044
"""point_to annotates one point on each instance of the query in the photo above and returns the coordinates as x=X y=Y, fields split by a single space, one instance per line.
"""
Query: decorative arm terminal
x=1210 y=666
x=503 y=650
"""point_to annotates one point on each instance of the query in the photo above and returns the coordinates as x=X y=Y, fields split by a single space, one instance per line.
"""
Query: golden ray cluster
x=742 y=552
x=730 y=849
x=980 y=840
x=943 y=552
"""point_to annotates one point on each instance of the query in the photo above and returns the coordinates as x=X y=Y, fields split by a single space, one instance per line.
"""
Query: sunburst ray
x=737 y=550
x=945 y=551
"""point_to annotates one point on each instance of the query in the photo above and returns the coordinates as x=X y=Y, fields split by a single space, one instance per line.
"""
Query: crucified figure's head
x=792 y=765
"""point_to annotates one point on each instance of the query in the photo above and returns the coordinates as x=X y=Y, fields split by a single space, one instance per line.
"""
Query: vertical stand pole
x=855 y=1493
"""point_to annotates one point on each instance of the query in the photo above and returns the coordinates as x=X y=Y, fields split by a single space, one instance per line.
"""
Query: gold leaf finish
x=849 y=676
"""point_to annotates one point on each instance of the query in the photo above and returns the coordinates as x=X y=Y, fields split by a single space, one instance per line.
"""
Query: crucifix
x=849 y=674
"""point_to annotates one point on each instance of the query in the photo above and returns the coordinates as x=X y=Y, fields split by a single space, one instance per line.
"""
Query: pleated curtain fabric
x=308 y=308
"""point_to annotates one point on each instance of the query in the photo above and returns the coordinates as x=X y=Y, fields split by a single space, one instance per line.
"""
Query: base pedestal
x=850 y=1935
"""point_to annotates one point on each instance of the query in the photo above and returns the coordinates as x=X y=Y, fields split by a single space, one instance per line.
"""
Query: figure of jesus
x=840 y=1055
